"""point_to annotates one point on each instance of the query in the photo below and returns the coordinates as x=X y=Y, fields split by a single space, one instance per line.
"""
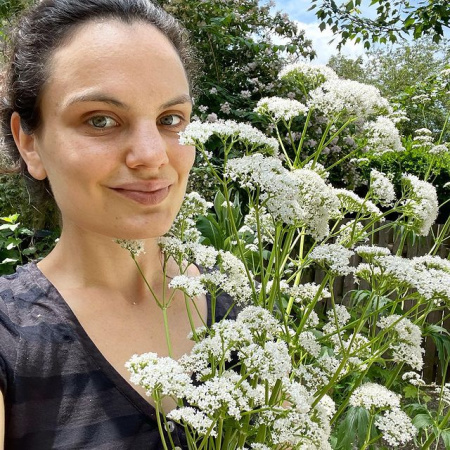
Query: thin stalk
x=166 y=332
x=367 y=441
x=302 y=139
x=160 y=428
x=280 y=140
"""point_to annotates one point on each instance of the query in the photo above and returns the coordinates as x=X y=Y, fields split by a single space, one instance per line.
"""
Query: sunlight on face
x=113 y=106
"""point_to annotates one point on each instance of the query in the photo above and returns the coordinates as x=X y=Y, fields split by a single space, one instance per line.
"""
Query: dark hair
x=43 y=29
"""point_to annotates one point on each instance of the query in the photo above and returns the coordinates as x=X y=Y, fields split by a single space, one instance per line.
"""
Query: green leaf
x=10 y=219
x=422 y=421
x=353 y=428
x=211 y=230
x=7 y=226
x=445 y=436
x=410 y=391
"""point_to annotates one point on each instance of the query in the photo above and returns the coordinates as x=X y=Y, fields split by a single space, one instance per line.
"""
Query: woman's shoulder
x=22 y=288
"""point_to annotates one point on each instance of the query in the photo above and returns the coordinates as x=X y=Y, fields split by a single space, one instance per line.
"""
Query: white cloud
x=323 y=47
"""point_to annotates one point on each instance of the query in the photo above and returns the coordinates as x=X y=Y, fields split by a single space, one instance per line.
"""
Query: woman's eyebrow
x=94 y=97
x=181 y=99
x=99 y=97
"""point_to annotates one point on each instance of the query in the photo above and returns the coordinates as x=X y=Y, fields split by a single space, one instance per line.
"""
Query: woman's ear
x=26 y=143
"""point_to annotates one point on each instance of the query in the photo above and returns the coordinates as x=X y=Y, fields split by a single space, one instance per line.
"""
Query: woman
x=96 y=95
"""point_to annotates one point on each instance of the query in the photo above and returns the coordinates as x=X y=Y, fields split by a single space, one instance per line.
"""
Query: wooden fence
x=385 y=238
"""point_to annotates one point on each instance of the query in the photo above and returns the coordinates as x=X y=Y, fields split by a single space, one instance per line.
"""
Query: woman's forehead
x=113 y=57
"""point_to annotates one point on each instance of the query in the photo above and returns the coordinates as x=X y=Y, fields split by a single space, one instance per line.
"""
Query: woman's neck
x=90 y=260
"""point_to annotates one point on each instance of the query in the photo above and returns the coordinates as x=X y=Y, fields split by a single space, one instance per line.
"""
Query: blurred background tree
x=394 y=20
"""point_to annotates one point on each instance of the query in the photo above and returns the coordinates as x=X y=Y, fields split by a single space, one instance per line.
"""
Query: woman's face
x=116 y=98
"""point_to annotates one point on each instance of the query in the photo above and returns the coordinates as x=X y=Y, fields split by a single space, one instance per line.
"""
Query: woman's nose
x=146 y=147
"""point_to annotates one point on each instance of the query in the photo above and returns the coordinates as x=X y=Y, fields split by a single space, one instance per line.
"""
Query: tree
x=395 y=19
x=407 y=74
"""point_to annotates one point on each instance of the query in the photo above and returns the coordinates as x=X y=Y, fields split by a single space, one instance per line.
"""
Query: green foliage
x=240 y=61
x=393 y=21
x=403 y=74
x=353 y=428
x=414 y=161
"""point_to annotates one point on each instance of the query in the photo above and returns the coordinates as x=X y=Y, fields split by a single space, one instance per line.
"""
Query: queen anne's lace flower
x=383 y=136
x=337 y=96
x=407 y=340
x=163 y=376
x=382 y=188
x=422 y=204
x=396 y=427
x=135 y=247
x=315 y=74
x=300 y=198
x=309 y=342
x=372 y=395
x=333 y=256
x=258 y=321
x=306 y=293
x=280 y=108
x=317 y=200
x=439 y=150
x=369 y=251
x=351 y=202
x=198 y=133
x=196 y=419
x=269 y=363
x=191 y=286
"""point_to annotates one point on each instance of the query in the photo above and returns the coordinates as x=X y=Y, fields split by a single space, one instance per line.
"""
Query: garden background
x=243 y=46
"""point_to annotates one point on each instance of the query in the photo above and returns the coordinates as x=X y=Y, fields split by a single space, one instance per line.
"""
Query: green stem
x=158 y=420
x=167 y=331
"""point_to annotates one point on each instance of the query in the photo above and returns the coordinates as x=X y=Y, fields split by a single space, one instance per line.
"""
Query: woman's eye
x=102 y=122
x=171 y=120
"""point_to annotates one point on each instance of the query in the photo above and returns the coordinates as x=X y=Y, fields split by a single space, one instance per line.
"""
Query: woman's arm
x=2 y=421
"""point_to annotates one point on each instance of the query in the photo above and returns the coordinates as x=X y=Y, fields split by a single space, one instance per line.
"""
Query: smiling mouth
x=147 y=198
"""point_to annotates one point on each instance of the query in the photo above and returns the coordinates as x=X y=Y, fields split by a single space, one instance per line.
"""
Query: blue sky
x=298 y=11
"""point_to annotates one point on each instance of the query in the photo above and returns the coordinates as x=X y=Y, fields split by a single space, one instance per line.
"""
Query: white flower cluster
x=421 y=204
x=413 y=378
x=224 y=271
x=135 y=247
x=439 y=150
x=396 y=427
x=300 y=197
x=314 y=74
x=220 y=392
x=191 y=286
x=372 y=395
x=429 y=275
x=335 y=257
x=423 y=139
x=266 y=225
x=317 y=200
x=351 y=202
x=383 y=136
x=198 y=420
x=369 y=251
x=280 y=108
x=184 y=226
x=308 y=341
x=198 y=133
x=406 y=340
x=158 y=376
x=382 y=188
x=306 y=293
x=336 y=96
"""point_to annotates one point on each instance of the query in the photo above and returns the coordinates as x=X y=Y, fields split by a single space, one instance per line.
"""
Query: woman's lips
x=144 y=195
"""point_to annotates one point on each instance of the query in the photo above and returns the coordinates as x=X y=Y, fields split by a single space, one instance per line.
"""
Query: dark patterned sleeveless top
x=60 y=392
